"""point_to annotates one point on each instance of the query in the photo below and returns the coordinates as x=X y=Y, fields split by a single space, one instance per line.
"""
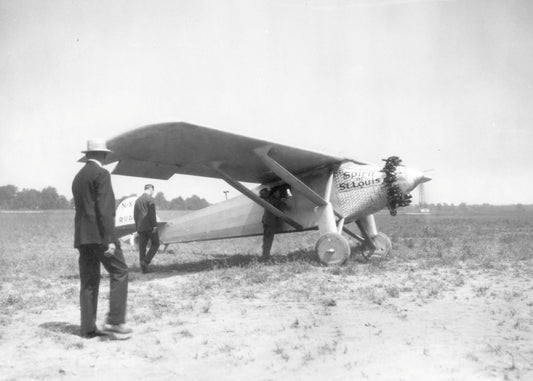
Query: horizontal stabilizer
x=121 y=231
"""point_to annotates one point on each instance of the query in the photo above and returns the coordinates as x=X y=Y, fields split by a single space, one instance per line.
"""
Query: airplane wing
x=159 y=151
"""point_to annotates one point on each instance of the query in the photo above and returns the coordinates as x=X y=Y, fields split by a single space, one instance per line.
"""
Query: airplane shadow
x=221 y=261
x=62 y=327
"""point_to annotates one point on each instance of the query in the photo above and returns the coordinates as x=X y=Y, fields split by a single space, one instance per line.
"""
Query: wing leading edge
x=159 y=151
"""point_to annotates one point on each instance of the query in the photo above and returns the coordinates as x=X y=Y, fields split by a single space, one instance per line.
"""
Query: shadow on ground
x=74 y=330
x=221 y=261
x=62 y=327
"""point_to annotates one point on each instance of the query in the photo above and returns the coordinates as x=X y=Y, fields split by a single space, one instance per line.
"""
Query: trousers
x=89 y=263
x=144 y=237
x=268 y=239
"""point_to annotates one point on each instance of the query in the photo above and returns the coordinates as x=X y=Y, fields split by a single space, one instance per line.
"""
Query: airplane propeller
x=395 y=197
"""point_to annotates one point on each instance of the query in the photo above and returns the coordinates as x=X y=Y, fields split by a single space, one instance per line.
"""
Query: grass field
x=453 y=302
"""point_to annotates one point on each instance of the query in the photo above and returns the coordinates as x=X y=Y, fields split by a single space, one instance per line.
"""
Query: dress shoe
x=93 y=334
x=116 y=328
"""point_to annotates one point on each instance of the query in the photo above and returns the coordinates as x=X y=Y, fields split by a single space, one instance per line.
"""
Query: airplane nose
x=424 y=179
x=414 y=177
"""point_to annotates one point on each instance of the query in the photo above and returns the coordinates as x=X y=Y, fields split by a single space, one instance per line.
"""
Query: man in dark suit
x=271 y=223
x=146 y=224
x=94 y=237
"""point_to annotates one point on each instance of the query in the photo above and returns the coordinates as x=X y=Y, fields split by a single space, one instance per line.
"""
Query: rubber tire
x=383 y=247
x=332 y=249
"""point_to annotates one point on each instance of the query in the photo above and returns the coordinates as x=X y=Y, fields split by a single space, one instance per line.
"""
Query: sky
x=444 y=85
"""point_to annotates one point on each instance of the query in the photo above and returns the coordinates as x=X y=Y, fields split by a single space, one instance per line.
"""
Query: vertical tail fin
x=124 y=221
x=125 y=228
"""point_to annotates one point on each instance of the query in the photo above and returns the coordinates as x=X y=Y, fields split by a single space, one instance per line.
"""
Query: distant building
x=422 y=200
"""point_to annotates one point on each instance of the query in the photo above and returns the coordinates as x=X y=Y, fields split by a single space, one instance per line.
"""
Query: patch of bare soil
x=403 y=323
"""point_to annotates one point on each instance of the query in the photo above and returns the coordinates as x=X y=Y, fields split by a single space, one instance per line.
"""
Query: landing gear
x=372 y=242
x=382 y=247
x=332 y=249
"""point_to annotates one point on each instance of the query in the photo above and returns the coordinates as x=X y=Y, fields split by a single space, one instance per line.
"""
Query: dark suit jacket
x=144 y=213
x=95 y=206
x=269 y=218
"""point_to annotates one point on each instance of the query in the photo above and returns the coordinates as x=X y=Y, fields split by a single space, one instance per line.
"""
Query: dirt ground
x=268 y=322
x=453 y=302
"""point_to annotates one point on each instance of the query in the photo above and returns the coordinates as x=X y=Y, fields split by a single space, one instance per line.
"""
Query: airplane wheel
x=382 y=250
x=332 y=249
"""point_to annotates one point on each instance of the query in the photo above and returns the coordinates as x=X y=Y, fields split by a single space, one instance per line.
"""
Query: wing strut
x=295 y=182
x=292 y=180
x=352 y=234
x=252 y=196
x=324 y=210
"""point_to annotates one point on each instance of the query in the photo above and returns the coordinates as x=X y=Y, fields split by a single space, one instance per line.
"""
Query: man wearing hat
x=94 y=237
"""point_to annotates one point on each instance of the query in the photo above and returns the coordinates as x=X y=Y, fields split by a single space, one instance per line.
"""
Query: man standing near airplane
x=94 y=237
x=146 y=225
x=270 y=221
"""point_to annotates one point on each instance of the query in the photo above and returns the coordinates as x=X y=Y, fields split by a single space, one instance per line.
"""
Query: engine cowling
x=366 y=189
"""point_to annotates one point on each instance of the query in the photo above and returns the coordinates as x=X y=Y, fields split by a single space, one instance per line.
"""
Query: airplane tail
x=124 y=221
x=125 y=228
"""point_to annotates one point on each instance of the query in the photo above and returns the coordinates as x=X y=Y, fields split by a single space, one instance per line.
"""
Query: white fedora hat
x=96 y=145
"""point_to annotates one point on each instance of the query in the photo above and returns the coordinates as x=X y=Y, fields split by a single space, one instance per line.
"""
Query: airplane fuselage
x=357 y=191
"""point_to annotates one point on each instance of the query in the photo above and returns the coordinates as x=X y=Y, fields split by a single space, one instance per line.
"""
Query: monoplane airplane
x=326 y=192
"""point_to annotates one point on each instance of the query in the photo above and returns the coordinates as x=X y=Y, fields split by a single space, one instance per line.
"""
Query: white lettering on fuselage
x=356 y=175
x=125 y=220
x=357 y=179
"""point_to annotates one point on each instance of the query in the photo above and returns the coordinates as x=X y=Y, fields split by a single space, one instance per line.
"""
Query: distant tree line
x=48 y=198
x=190 y=203
x=13 y=198
x=467 y=208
